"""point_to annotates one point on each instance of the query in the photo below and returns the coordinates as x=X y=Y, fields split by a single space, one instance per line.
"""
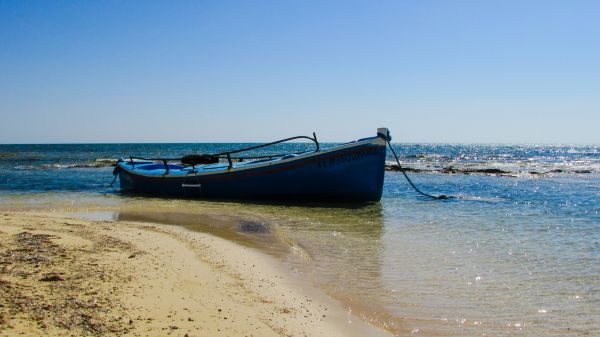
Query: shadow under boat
x=267 y=225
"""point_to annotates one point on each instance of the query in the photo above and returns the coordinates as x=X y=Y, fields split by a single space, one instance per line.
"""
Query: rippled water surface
x=515 y=255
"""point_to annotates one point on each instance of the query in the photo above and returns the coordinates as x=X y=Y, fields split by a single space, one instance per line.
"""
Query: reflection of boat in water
x=348 y=172
x=263 y=224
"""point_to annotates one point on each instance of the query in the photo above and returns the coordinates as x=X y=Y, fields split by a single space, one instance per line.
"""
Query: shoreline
x=124 y=277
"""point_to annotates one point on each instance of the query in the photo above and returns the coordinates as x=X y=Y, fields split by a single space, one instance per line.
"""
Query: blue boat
x=352 y=171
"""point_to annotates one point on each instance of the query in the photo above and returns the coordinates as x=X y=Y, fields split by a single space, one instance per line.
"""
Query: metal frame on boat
x=349 y=172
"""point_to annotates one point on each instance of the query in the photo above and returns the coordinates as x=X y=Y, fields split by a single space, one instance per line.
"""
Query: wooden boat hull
x=350 y=172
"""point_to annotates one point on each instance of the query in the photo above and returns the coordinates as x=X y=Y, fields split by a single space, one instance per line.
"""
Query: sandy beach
x=65 y=276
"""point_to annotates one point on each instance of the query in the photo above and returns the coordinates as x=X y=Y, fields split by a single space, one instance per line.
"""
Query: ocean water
x=517 y=253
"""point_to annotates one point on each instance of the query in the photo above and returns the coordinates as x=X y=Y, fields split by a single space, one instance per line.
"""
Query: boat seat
x=157 y=167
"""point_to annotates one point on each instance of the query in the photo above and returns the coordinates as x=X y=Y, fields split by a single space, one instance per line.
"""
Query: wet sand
x=63 y=276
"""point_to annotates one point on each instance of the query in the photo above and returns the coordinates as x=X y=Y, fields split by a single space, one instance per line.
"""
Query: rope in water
x=115 y=179
x=439 y=197
x=116 y=174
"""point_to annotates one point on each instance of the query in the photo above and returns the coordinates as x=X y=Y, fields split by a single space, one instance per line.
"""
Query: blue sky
x=194 y=71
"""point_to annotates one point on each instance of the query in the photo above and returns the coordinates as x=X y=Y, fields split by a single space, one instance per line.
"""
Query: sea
x=515 y=253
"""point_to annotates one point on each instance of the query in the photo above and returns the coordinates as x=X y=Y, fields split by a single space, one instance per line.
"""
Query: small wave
x=58 y=166
x=53 y=166
x=96 y=164
x=24 y=167
x=477 y=198
x=107 y=160
x=429 y=157
x=585 y=152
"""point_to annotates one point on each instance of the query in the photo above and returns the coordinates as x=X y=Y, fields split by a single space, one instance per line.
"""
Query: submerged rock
x=450 y=169
x=253 y=227
x=487 y=171
x=396 y=168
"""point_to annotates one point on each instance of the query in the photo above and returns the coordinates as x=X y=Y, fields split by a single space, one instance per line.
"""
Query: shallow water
x=512 y=256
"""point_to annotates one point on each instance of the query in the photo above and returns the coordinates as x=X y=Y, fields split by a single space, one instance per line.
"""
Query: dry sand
x=62 y=276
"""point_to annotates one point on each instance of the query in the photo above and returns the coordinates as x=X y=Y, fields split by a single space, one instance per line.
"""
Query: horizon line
x=326 y=142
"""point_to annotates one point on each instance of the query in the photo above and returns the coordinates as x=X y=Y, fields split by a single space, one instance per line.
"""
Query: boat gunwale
x=371 y=140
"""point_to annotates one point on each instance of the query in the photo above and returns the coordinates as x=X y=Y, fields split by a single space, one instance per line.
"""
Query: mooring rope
x=113 y=182
x=116 y=174
x=439 y=197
